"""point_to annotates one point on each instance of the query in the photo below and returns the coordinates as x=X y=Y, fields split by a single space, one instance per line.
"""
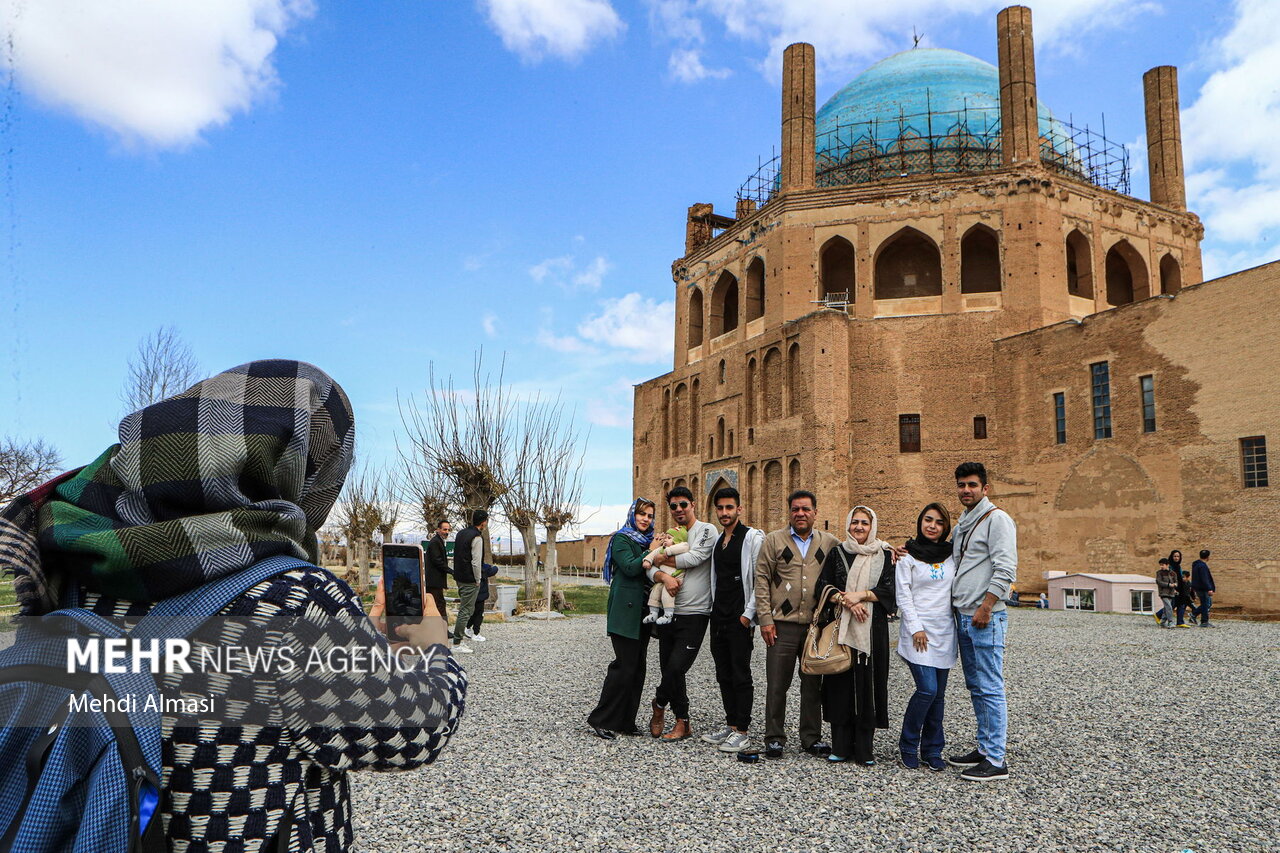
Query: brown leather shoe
x=658 y=721
x=679 y=731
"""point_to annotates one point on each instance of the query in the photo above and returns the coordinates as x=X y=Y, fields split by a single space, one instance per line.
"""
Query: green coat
x=629 y=589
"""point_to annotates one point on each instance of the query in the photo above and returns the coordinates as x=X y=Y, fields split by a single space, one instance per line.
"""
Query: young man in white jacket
x=733 y=617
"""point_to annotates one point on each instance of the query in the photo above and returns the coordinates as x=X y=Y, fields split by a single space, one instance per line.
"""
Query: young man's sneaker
x=911 y=762
x=462 y=649
x=735 y=742
x=935 y=763
x=472 y=635
x=718 y=736
x=985 y=772
x=969 y=759
x=773 y=749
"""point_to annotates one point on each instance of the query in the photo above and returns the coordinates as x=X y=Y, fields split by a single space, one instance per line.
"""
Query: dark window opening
x=908 y=433
x=1253 y=458
x=980 y=426
x=1079 y=266
x=979 y=261
x=836 y=265
x=1101 y=375
x=1148 y=403
x=909 y=265
x=1170 y=275
x=1060 y=418
x=695 y=318
x=755 y=289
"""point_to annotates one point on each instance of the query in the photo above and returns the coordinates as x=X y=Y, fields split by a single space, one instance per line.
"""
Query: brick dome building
x=938 y=268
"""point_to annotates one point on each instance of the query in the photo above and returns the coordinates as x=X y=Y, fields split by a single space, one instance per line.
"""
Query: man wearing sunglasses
x=680 y=641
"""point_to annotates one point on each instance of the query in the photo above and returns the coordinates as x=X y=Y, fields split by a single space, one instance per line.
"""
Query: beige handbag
x=823 y=654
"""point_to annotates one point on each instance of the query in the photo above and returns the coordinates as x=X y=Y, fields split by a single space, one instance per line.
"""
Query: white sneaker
x=735 y=742
x=472 y=635
x=466 y=632
x=462 y=649
x=478 y=638
x=717 y=737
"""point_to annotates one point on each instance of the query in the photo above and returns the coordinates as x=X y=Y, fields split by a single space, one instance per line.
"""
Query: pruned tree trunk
x=530 y=536
x=551 y=562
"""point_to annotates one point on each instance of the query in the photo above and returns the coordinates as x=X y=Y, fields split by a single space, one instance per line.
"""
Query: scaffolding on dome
x=960 y=142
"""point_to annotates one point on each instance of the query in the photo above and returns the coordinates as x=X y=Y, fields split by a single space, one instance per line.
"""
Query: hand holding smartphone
x=411 y=615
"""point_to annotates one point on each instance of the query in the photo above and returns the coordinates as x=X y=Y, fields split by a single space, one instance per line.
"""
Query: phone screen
x=402 y=584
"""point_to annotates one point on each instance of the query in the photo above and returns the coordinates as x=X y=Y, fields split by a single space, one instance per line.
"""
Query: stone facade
x=861 y=340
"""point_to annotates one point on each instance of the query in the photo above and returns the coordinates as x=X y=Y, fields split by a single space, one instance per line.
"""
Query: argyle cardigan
x=227 y=787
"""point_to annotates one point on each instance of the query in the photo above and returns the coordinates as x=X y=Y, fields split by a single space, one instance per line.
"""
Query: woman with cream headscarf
x=860 y=574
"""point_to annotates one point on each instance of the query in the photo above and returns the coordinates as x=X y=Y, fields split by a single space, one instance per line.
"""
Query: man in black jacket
x=438 y=564
x=1202 y=584
x=468 y=568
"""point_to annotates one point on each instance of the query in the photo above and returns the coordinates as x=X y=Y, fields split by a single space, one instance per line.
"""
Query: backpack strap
x=181 y=615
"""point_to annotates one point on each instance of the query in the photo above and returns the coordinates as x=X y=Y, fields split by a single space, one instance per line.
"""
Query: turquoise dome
x=940 y=108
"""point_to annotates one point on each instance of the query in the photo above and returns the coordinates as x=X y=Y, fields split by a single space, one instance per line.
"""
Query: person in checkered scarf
x=243 y=466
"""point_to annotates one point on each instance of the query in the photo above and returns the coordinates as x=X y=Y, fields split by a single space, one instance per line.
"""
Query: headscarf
x=630 y=531
x=924 y=550
x=1178 y=563
x=864 y=573
x=242 y=466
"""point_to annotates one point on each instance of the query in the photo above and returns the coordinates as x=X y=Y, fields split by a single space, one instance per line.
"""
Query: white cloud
x=490 y=324
x=633 y=322
x=566 y=29
x=565 y=273
x=567 y=344
x=686 y=66
x=1230 y=133
x=152 y=72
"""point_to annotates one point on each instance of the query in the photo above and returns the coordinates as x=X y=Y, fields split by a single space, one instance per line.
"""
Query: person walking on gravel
x=733 y=614
x=680 y=641
x=468 y=568
x=985 y=548
x=1167 y=586
x=786 y=572
x=1202 y=583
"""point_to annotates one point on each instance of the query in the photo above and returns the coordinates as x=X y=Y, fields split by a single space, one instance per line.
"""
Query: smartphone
x=403 y=583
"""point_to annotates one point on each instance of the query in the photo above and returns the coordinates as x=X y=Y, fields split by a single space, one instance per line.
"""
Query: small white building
x=1103 y=593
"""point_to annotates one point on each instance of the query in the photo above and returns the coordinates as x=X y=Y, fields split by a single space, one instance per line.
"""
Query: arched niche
x=908 y=265
x=724 y=304
x=749 y=393
x=695 y=318
x=1126 y=274
x=835 y=268
x=793 y=379
x=980 y=261
x=679 y=405
x=755 y=290
x=793 y=476
x=719 y=448
x=1079 y=265
x=775 y=510
x=1170 y=274
x=772 y=386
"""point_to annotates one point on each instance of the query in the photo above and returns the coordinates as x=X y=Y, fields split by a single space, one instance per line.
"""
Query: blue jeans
x=1206 y=601
x=982 y=657
x=922 y=723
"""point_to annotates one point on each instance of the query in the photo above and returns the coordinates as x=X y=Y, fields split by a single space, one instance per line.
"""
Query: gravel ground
x=1103 y=756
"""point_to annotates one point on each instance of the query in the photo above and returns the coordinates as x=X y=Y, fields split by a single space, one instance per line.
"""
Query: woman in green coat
x=615 y=713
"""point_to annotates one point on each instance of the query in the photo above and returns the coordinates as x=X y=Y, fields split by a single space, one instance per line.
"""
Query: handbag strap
x=964 y=544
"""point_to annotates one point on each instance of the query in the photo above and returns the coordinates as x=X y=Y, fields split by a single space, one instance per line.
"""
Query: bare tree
x=560 y=470
x=25 y=465
x=531 y=439
x=162 y=366
x=356 y=516
x=384 y=503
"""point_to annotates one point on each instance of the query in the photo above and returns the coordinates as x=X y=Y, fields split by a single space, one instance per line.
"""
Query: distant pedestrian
x=733 y=618
x=1186 y=598
x=1202 y=584
x=437 y=568
x=1167 y=586
x=623 y=686
x=482 y=596
x=786 y=574
x=468 y=569
x=985 y=546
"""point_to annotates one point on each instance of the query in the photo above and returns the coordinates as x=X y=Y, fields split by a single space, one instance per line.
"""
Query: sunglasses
x=680 y=505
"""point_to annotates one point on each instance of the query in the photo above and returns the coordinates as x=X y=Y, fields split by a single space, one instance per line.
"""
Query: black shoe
x=970 y=759
x=603 y=734
x=631 y=732
x=985 y=772
x=911 y=762
x=935 y=763
x=820 y=749
x=773 y=749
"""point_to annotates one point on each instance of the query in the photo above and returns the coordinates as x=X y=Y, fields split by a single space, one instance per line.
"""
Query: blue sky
x=373 y=188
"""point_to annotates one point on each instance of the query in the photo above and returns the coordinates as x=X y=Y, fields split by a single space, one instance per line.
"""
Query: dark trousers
x=780 y=663
x=731 y=650
x=678 y=647
x=922 y=723
x=477 y=618
x=623 y=684
x=849 y=740
x=1206 y=601
x=437 y=592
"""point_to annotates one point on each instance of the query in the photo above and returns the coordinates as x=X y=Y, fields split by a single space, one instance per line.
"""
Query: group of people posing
x=949 y=585
x=1180 y=589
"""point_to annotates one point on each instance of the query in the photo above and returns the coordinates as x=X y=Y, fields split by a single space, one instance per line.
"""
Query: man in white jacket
x=733 y=616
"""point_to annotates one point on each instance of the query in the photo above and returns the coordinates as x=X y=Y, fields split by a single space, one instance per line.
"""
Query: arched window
x=678 y=406
x=752 y=497
x=793 y=476
x=722 y=371
x=730 y=442
x=720 y=436
x=755 y=289
x=1170 y=275
x=794 y=379
x=1079 y=265
x=695 y=318
x=908 y=264
x=835 y=265
x=771 y=387
x=749 y=393
x=666 y=424
x=775 y=509
x=1126 y=274
x=724 y=305
x=980 y=261
x=694 y=412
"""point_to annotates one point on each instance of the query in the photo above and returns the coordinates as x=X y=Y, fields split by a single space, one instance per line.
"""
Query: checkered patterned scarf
x=240 y=467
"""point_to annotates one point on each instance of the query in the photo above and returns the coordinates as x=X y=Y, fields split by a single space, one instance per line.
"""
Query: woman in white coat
x=926 y=634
